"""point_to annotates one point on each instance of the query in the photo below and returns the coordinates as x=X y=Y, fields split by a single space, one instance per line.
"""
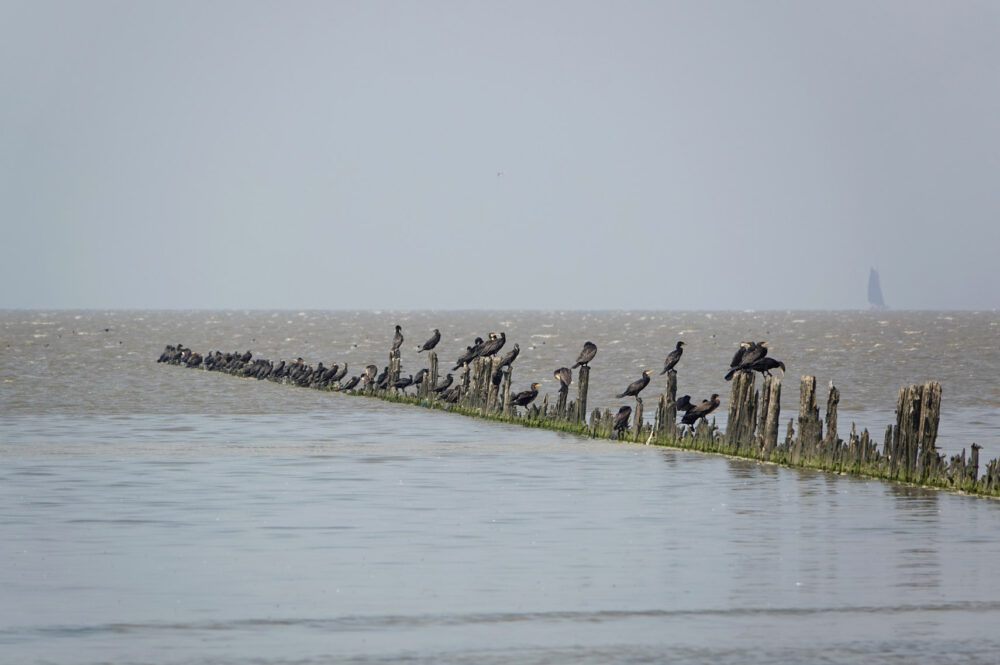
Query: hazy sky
x=460 y=155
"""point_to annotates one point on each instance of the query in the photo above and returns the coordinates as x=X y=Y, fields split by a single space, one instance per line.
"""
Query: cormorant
x=765 y=365
x=339 y=375
x=452 y=395
x=353 y=381
x=701 y=411
x=403 y=383
x=397 y=339
x=441 y=387
x=525 y=397
x=621 y=421
x=495 y=344
x=586 y=355
x=683 y=403
x=383 y=379
x=371 y=371
x=471 y=353
x=672 y=359
x=565 y=376
x=738 y=356
x=432 y=342
x=636 y=386
x=507 y=359
x=419 y=378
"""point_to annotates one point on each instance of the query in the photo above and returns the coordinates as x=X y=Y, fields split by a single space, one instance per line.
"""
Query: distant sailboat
x=875 y=300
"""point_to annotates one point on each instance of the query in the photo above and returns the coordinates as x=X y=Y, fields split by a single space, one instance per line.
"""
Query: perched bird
x=672 y=358
x=353 y=381
x=431 y=343
x=441 y=387
x=683 y=403
x=383 y=379
x=471 y=353
x=452 y=395
x=621 y=421
x=586 y=355
x=565 y=377
x=507 y=359
x=403 y=383
x=397 y=339
x=752 y=357
x=525 y=397
x=636 y=386
x=420 y=376
x=701 y=411
x=765 y=365
x=371 y=371
x=340 y=374
x=494 y=344
x=738 y=356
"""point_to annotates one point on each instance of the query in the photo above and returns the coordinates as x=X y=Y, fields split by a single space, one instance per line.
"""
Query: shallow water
x=154 y=514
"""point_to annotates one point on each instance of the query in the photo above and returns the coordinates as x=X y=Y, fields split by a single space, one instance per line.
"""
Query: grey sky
x=660 y=155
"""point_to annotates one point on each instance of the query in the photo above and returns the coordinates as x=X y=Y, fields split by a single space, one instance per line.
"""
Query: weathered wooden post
x=636 y=417
x=666 y=409
x=742 y=412
x=394 y=364
x=582 y=383
x=431 y=379
x=561 y=403
x=505 y=391
x=930 y=418
x=810 y=426
x=770 y=412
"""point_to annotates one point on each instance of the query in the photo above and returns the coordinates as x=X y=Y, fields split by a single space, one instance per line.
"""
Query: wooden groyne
x=482 y=387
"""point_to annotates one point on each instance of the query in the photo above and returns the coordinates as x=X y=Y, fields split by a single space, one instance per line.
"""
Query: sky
x=499 y=155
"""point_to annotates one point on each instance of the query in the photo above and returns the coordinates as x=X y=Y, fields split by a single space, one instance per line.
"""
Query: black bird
x=471 y=353
x=738 y=356
x=526 y=397
x=432 y=342
x=636 y=386
x=397 y=339
x=441 y=387
x=621 y=421
x=701 y=411
x=565 y=376
x=403 y=383
x=755 y=358
x=383 y=379
x=353 y=381
x=507 y=359
x=419 y=378
x=683 y=403
x=765 y=365
x=495 y=343
x=588 y=353
x=673 y=357
x=452 y=395
x=339 y=375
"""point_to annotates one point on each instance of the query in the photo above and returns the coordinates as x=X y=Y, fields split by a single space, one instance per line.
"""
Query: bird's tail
x=576 y=365
x=731 y=373
x=620 y=396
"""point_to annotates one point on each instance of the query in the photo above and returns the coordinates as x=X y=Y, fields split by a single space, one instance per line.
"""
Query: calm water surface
x=153 y=514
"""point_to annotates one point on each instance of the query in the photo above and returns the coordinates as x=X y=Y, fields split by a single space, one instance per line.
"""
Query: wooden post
x=582 y=383
x=394 y=364
x=427 y=387
x=770 y=412
x=832 y=400
x=636 y=418
x=742 y=411
x=561 y=403
x=810 y=426
x=666 y=410
x=505 y=390
x=930 y=417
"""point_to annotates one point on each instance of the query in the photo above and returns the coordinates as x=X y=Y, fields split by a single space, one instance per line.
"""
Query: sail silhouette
x=875 y=300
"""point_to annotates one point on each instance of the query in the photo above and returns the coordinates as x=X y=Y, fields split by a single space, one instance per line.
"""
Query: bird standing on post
x=672 y=358
x=587 y=354
x=701 y=411
x=621 y=421
x=430 y=343
x=565 y=377
x=526 y=397
x=636 y=386
x=397 y=339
